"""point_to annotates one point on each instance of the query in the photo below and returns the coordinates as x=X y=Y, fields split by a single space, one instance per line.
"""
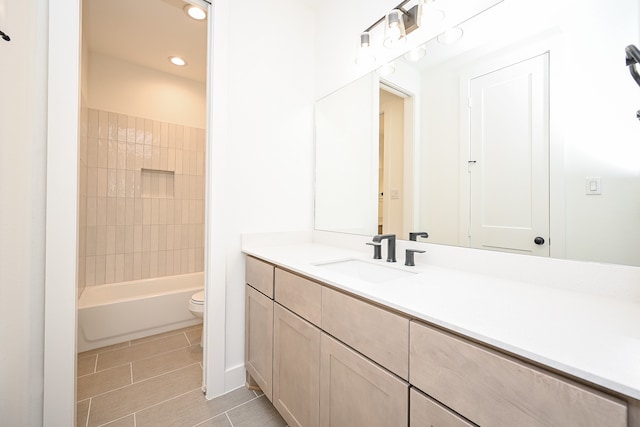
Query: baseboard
x=234 y=378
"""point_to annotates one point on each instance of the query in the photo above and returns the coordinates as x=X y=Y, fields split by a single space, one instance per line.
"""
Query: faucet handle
x=413 y=236
x=377 y=249
x=409 y=259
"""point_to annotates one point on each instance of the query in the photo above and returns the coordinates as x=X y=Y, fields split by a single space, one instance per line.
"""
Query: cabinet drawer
x=425 y=411
x=492 y=389
x=377 y=333
x=299 y=295
x=259 y=275
x=356 y=392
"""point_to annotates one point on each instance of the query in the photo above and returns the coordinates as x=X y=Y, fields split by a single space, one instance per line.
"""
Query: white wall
x=125 y=88
x=262 y=173
x=22 y=186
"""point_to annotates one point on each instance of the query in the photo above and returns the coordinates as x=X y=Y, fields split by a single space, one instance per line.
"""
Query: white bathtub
x=110 y=314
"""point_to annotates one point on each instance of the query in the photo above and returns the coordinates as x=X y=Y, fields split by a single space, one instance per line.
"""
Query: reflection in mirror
x=521 y=136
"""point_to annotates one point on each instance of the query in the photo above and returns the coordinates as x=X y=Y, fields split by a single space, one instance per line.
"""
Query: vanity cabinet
x=356 y=392
x=296 y=368
x=328 y=358
x=258 y=351
x=490 y=388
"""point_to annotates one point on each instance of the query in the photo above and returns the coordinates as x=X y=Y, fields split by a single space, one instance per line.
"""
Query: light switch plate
x=593 y=185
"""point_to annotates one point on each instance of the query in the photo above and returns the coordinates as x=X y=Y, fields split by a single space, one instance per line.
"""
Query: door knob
x=538 y=240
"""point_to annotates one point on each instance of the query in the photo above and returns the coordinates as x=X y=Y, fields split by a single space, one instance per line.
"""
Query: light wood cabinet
x=492 y=389
x=426 y=412
x=356 y=392
x=379 y=334
x=296 y=369
x=258 y=350
x=327 y=358
x=259 y=275
x=300 y=295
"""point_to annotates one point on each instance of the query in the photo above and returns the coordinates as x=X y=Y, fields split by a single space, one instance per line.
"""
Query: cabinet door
x=296 y=369
x=258 y=350
x=356 y=392
x=427 y=412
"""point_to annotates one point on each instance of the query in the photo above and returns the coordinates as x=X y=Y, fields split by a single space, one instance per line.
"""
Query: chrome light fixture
x=365 y=55
x=394 y=32
x=398 y=23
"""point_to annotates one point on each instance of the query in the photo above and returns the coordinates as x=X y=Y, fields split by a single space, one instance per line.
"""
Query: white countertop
x=592 y=337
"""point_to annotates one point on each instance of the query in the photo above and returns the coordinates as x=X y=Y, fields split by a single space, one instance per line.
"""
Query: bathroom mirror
x=542 y=75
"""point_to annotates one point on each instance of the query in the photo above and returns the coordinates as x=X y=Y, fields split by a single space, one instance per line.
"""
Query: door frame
x=551 y=44
x=60 y=287
x=409 y=192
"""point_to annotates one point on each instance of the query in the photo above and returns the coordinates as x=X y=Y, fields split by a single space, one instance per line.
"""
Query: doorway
x=394 y=165
x=141 y=198
x=508 y=163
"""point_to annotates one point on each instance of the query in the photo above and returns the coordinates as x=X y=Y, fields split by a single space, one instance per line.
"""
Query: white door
x=509 y=158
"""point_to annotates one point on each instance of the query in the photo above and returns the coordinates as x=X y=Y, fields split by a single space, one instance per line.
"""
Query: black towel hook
x=633 y=58
x=5 y=36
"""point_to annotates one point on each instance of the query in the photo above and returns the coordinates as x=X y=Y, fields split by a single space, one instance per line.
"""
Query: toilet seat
x=198 y=298
x=196 y=304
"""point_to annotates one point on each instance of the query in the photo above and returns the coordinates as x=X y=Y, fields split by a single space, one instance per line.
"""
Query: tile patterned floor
x=156 y=381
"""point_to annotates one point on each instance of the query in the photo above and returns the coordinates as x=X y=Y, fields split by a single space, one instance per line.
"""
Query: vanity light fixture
x=398 y=23
x=450 y=36
x=176 y=60
x=365 y=56
x=394 y=32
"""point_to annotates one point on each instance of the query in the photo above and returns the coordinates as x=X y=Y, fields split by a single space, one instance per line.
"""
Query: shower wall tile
x=141 y=196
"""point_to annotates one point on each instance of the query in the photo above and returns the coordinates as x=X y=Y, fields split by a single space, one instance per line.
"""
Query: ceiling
x=147 y=33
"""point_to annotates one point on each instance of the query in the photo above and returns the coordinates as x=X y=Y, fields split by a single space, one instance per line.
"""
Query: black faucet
x=391 y=245
x=413 y=236
x=409 y=258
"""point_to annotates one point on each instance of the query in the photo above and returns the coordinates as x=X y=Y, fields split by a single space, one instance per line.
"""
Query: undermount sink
x=366 y=271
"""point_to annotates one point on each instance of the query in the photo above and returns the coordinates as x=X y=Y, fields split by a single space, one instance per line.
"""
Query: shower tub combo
x=118 y=312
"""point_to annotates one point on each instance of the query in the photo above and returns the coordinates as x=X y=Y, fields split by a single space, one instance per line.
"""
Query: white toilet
x=196 y=305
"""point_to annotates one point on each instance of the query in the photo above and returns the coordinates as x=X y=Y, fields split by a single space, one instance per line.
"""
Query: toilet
x=196 y=305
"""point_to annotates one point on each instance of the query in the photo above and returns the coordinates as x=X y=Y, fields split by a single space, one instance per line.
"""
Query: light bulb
x=176 y=60
x=195 y=12
x=394 y=29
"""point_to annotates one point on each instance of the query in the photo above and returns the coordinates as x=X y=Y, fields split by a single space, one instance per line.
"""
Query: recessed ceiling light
x=176 y=60
x=195 y=12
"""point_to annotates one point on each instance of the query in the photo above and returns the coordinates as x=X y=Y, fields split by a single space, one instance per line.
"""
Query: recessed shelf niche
x=157 y=184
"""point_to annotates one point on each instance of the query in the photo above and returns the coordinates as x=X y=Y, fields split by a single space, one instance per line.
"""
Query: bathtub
x=114 y=313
